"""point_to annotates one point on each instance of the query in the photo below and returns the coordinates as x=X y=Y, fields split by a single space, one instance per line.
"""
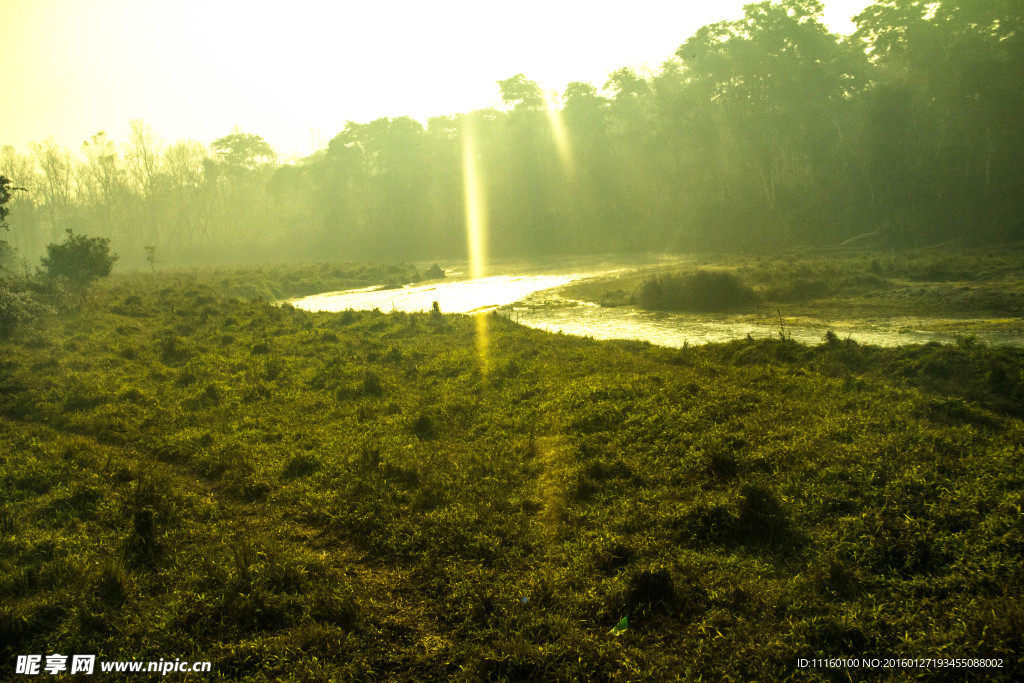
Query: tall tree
x=6 y=192
x=57 y=187
x=949 y=101
x=142 y=155
x=242 y=152
x=777 y=82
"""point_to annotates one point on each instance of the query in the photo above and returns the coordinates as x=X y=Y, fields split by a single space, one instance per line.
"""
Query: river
x=534 y=300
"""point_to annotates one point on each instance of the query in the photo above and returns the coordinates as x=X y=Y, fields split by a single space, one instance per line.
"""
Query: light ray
x=482 y=341
x=476 y=225
x=558 y=131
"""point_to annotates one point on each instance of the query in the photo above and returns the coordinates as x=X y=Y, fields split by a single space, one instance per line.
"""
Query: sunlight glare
x=558 y=131
x=476 y=225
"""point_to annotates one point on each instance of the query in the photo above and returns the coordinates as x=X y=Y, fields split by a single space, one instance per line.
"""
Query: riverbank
x=277 y=281
x=365 y=495
x=966 y=291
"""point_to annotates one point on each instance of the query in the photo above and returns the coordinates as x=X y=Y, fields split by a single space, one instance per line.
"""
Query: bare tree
x=142 y=155
x=57 y=187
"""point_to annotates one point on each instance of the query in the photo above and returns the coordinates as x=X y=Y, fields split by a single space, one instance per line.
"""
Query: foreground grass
x=299 y=496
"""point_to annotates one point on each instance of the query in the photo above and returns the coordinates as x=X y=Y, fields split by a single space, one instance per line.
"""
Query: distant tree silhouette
x=7 y=189
x=765 y=131
x=243 y=151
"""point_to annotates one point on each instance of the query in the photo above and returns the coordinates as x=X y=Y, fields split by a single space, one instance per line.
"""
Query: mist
x=767 y=132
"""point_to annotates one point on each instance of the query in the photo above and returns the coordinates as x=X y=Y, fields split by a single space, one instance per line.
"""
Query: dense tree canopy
x=763 y=132
x=243 y=151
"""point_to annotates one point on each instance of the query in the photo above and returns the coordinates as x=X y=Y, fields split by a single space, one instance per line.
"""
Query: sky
x=295 y=72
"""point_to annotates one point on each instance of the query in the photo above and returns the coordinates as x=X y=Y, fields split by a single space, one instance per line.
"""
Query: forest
x=766 y=132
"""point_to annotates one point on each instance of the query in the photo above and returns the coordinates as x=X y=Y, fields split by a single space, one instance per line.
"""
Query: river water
x=533 y=300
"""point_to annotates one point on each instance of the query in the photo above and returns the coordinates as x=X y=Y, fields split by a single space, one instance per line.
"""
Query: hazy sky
x=296 y=71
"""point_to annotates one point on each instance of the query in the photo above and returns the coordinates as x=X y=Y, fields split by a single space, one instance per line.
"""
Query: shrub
x=647 y=591
x=300 y=465
x=702 y=291
x=372 y=385
x=424 y=427
x=79 y=259
x=762 y=518
x=17 y=306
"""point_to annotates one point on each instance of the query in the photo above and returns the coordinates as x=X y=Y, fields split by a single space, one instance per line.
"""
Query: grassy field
x=366 y=496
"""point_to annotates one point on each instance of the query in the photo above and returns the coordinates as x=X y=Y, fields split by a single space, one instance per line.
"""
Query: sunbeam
x=476 y=225
x=474 y=201
x=558 y=131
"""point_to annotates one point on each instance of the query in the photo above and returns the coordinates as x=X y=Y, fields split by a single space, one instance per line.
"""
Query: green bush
x=17 y=306
x=702 y=291
x=79 y=259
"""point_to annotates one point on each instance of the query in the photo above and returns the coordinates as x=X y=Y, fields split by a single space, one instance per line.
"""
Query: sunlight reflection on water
x=453 y=297
x=530 y=301
x=677 y=330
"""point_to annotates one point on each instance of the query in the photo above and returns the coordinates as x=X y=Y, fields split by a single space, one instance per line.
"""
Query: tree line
x=764 y=132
